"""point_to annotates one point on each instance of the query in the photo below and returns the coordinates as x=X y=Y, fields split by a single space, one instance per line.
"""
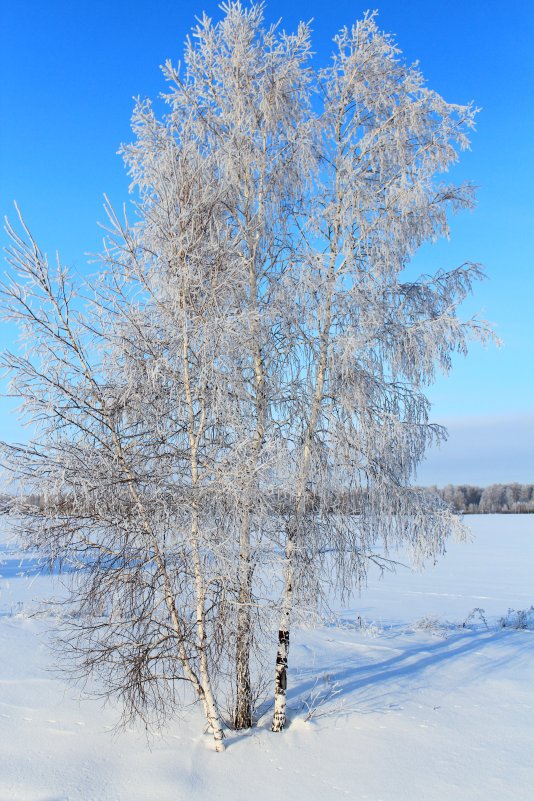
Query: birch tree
x=119 y=474
x=240 y=404
x=369 y=340
x=185 y=313
x=246 y=89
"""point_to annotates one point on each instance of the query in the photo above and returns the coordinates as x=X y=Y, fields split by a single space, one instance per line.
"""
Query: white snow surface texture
x=420 y=707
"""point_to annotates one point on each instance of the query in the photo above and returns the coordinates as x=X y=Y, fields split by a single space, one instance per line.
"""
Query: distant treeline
x=495 y=499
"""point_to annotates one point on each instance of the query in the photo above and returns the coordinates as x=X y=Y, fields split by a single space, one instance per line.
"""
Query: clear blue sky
x=69 y=72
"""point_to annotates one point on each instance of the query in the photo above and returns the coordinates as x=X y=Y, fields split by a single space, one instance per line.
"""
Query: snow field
x=418 y=707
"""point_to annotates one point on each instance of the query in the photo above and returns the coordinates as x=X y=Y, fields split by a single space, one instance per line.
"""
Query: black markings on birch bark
x=279 y=716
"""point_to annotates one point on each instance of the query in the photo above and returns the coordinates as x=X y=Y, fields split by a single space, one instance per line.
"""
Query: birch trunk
x=282 y=654
x=293 y=534
x=243 y=710
x=205 y=690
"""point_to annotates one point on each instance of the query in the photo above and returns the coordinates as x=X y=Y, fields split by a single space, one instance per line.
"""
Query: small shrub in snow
x=475 y=616
x=428 y=624
x=432 y=625
x=518 y=619
x=370 y=628
x=324 y=690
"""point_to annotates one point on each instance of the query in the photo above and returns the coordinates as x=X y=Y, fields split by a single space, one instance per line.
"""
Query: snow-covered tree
x=240 y=407
x=117 y=402
x=242 y=99
x=366 y=340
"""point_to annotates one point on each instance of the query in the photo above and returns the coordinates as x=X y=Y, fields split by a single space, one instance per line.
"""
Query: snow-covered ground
x=420 y=707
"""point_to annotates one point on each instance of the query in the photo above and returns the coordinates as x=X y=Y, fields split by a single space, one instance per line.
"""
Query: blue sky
x=69 y=71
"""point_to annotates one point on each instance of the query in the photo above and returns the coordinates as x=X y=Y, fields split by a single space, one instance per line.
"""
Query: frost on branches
x=230 y=417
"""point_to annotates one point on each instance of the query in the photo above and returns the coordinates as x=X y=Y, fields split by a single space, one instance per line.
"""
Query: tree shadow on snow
x=410 y=664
